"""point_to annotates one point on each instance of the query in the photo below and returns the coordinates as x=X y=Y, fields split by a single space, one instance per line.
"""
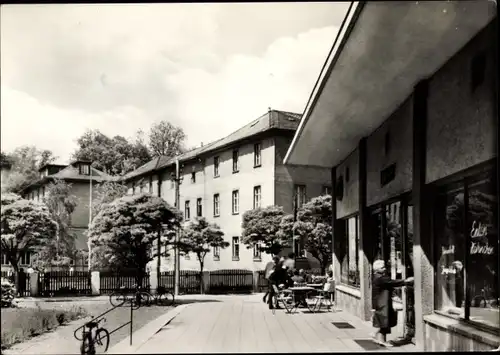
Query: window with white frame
x=257 y=155
x=300 y=193
x=4 y=259
x=257 y=253
x=187 y=210
x=216 y=205
x=236 y=248
x=199 y=208
x=216 y=166
x=25 y=258
x=84 y=169
x=216 y=253
x=326 y=190
x=236 y=202
x=236 y=156
x=150 y=184
x=256 y=197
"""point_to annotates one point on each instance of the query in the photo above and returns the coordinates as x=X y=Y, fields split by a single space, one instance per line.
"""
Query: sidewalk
x=245 y=324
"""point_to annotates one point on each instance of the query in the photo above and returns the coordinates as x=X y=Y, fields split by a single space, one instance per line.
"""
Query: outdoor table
x=300 y=290
x=315 y=285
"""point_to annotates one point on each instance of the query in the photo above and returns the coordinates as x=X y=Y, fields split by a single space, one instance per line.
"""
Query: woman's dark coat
x=385 y=316
x=279 y=276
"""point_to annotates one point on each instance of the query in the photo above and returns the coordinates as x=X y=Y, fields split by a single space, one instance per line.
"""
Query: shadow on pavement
x=182 y=301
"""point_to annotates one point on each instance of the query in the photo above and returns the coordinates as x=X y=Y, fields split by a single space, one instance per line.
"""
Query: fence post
x=256 y=280
x=206 y=281
x=153 y=282
x=95 y=283
x=33 y=277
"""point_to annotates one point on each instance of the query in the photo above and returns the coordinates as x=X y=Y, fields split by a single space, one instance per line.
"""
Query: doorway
x=392 y=235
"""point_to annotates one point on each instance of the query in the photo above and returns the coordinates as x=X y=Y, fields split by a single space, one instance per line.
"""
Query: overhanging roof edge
x=345 y=30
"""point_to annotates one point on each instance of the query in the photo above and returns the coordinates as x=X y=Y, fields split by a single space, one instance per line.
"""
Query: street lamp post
x=89 y=246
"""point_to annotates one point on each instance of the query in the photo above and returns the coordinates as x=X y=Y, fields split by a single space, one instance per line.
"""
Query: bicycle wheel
x=140 y=299
x=117 y=299
x=166 y=299
x=86 y=347
x=101 y=341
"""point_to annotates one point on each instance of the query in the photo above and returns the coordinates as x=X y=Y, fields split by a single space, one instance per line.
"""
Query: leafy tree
x=26 y=226
x=166 y=139
x=106 y=193
x=313 y=225
x=115 y=156
x=129 y=227
x=61 y=204
x=199 y=237
x=25 y=162
x=261 y=226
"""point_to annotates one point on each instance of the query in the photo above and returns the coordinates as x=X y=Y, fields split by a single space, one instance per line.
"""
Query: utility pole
x=89 y=246
x=158 y=242
x=177 y=205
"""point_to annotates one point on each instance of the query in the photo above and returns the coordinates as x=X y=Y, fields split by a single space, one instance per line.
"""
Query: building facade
x=413 y=157
x=225 y=178
x=78 y=175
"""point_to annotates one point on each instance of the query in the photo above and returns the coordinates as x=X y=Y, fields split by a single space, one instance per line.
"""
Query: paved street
x=244 y=324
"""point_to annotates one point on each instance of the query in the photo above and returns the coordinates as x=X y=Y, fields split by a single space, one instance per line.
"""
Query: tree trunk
x=202 y=288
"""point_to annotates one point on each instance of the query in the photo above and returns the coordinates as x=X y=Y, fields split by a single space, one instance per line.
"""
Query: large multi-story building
x=223 y=179
x=78 y=175
x=406 y=116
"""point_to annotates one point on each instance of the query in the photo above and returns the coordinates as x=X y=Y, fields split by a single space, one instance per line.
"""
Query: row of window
x=235 y=251
x=235 y=198
x=24 y=260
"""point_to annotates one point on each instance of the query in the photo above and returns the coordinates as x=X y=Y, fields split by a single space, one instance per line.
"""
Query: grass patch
x=20 y=324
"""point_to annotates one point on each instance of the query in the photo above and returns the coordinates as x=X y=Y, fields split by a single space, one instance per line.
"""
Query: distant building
x=78 y=175
x=223 y=179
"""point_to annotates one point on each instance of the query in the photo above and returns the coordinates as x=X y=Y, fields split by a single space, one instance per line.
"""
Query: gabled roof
x=273 y=119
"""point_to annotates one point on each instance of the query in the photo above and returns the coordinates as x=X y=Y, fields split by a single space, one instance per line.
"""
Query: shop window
x=349 y=270
x=466 y=232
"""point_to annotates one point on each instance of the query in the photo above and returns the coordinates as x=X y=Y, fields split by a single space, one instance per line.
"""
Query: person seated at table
x=290 y=281
x=297 y=278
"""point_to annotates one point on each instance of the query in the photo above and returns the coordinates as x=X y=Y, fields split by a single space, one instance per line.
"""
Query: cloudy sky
x=209 y=68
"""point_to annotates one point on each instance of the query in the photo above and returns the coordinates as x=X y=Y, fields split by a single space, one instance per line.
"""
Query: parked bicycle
x=162 y=297
x=94 y=335
x=122 y=296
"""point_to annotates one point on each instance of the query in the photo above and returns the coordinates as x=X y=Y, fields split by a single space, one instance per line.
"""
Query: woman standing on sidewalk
x=384 y=316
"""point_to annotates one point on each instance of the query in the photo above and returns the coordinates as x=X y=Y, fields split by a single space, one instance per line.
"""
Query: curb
x=142 y=335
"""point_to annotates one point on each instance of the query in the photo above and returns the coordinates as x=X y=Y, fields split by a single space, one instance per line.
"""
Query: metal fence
x=231 y=281
x=64 y=283
x=111 y=281
x=23 y=288
x=189 y=281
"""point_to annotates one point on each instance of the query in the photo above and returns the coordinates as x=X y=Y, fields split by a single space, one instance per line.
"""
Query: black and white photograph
x=249 y=177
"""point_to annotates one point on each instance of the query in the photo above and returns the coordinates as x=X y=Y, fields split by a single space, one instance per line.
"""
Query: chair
x=283 y=297
x=324 y=297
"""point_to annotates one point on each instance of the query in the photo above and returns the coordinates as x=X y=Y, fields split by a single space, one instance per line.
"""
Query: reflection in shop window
x=466 y=232
x=349 y=267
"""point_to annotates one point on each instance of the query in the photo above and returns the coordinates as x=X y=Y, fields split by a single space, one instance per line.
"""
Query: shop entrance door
x=392 y=233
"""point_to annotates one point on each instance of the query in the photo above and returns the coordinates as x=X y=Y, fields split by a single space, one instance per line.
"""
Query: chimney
x=202 y=144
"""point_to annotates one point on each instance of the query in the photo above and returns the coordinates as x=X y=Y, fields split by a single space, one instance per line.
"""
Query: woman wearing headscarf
x=384 y=316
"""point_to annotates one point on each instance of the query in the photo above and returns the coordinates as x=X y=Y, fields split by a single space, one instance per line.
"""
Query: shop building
x=404 y=114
